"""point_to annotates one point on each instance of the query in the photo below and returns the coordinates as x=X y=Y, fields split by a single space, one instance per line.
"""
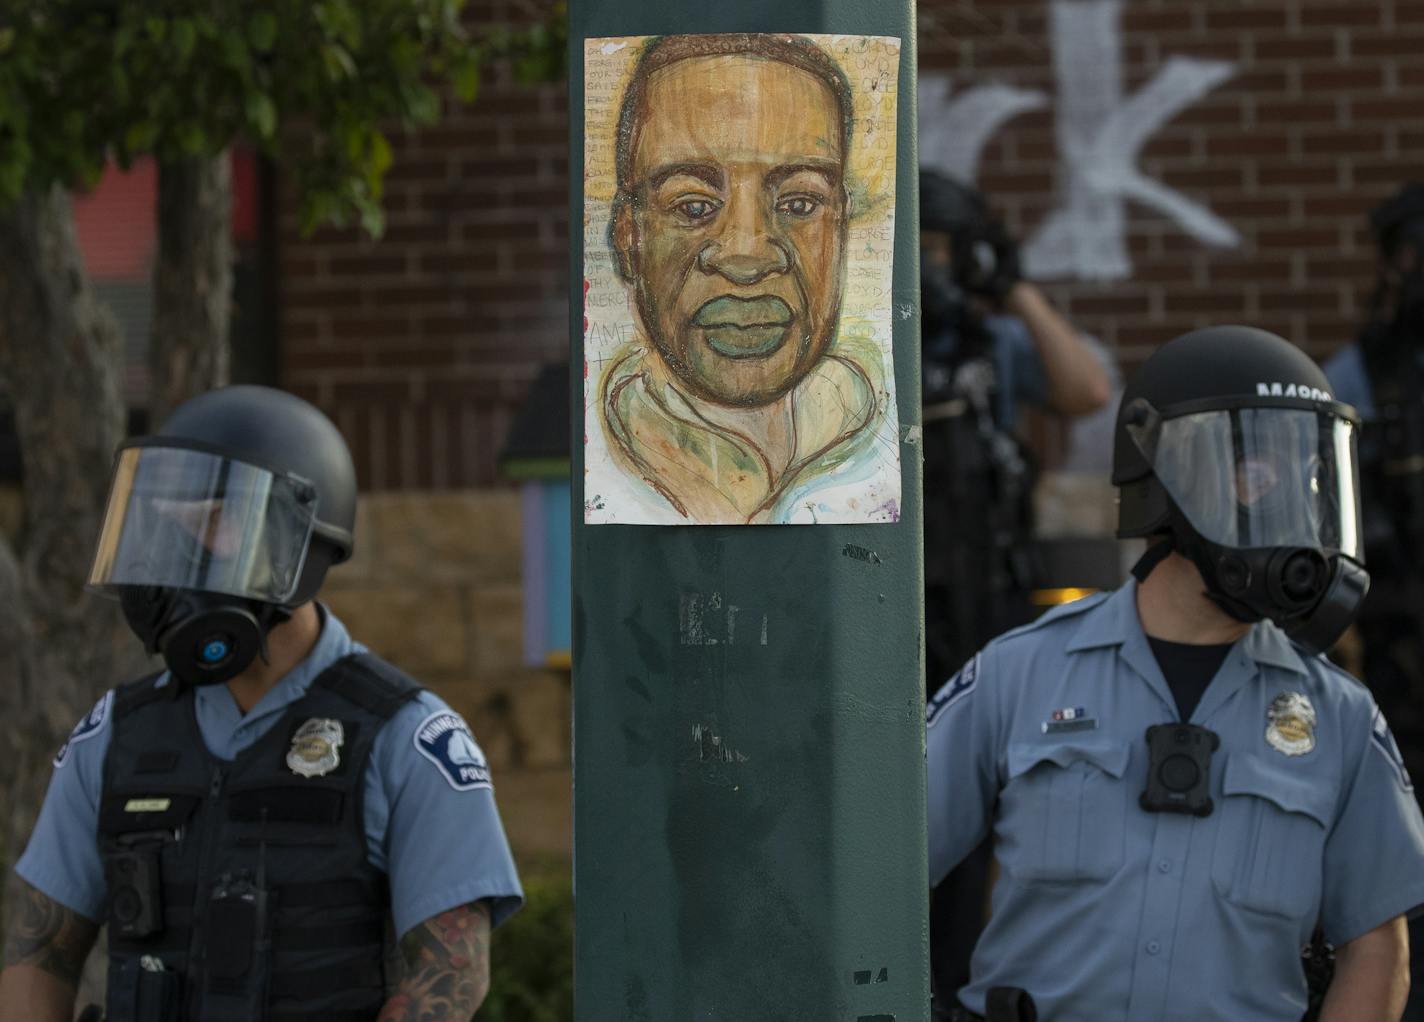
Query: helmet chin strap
x=1153 y=556
x=1162 y=549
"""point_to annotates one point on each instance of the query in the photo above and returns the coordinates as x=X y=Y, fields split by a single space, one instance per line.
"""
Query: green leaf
x=466 y=76
x=380 y=158
x=185 y=35
x=422 y=104
x=373 y=218
x=124 y=36
x=353 y=137
x=235 y=53
x=157 y=28
x=338 y=62
x=262 y=31
x=192 y=140
x=261 y=114
x=139 y=137
x=7 y=39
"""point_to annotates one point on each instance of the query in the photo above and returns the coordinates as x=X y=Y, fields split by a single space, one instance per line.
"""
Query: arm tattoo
x=46 y=935
x=447 y=968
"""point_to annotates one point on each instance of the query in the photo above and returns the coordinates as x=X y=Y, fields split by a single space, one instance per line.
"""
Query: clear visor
x=1260 y=477
x=191 y=520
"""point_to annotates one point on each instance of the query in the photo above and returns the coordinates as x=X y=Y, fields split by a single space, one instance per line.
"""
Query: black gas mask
x=983 y=260
x=204 y=638
x=204 y=554
x=1262 y=497
x=944 y=305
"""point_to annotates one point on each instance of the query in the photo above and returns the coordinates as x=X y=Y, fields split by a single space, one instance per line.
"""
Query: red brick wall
x=421 y=345
x=1321 y=119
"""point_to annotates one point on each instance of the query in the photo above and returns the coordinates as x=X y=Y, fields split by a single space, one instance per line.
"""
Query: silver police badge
x=1292 y=724
x=316 y=747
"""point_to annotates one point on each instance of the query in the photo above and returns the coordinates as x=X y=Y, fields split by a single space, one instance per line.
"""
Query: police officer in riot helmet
x=990 y=341
x=255 y=819
x=1181 y=789
x=1382 y=374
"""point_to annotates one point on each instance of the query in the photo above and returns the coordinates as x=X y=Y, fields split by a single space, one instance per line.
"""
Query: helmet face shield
x=1253 y=477
x=187 y=519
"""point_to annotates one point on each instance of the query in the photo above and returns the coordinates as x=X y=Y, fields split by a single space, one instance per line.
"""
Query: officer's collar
x=1267 y=644
x=1114 y=622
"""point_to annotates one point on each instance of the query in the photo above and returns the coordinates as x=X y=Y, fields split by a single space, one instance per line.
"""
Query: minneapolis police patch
x=86 y=728
x=1384 y=741
x=954 y=690
x=445 y=740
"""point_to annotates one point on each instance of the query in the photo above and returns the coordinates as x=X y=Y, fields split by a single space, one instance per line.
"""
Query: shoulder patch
x=1384 y=741
x=87 y=727
x=444 y=738
x=954 y=690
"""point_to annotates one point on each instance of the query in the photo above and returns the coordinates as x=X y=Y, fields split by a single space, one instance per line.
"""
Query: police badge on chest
x=1290 y=727
x=316 y=747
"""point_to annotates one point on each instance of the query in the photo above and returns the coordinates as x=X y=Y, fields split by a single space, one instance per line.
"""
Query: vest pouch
x=238 y=952
x=143 y=989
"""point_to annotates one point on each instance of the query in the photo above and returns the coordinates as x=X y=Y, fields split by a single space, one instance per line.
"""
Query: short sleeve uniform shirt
x=437 y=836
x=1104 y=911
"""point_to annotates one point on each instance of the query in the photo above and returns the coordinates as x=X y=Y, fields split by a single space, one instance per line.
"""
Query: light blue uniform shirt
x=1105 y=912
x=438 y=839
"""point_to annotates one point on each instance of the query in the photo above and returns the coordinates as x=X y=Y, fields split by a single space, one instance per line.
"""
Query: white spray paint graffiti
x=1100 y=134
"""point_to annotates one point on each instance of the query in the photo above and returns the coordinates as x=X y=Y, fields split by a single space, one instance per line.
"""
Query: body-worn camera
x=1179 y=769
x=135 y=890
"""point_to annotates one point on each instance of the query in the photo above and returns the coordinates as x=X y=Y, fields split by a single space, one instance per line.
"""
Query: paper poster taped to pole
x=739 y=229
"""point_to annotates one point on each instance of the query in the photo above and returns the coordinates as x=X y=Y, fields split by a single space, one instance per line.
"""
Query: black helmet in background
x=1398 y=227
x=222 y=523
x=984 y=260
x=1229 y=442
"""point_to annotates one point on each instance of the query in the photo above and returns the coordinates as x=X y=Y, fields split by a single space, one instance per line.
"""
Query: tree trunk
x=192 y=281
x=60 y=366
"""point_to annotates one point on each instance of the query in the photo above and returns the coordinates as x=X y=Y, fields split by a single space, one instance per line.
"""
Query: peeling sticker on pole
x=861 y=553
x=712 y=748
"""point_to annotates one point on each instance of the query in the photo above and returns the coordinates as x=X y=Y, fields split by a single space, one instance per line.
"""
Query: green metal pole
x=749 y=774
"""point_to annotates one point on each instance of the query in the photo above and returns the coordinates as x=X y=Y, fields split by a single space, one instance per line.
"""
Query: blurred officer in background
x=990 y=341
x=1382 y=375
x=1180 y=788
x=253 y=821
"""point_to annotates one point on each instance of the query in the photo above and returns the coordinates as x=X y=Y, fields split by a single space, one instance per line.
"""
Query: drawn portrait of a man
x=728 y=229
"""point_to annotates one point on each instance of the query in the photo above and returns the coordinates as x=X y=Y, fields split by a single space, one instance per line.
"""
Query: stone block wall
x=435 y=588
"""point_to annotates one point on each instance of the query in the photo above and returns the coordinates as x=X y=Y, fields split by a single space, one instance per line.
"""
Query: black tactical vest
x=240 y=891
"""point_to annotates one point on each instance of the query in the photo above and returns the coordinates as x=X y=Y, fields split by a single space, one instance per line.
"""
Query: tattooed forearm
x=46 y=935
x=446 y=968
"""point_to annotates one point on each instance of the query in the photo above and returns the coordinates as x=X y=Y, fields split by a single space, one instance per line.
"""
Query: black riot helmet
x=984 y=258
x=1229 y=442
x=222 y=523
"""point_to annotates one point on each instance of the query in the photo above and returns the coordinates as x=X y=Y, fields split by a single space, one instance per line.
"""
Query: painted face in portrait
x=731 y=232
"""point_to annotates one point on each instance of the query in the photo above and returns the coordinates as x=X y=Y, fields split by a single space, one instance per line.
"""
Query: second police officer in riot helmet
x=254 y=820
x=1179 y=786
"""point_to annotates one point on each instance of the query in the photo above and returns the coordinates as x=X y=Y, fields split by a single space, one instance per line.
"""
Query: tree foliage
x=313 y=83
